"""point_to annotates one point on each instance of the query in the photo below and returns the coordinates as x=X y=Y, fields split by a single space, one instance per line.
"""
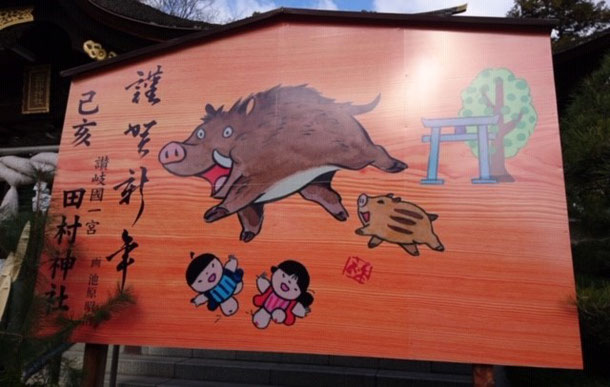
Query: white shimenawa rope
x=18 y=171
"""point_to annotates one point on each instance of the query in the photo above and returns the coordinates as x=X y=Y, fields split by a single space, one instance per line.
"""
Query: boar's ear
x=390 y=195
x=209 y=109
x=247 y=106
x=396 y=199
x=433 y=217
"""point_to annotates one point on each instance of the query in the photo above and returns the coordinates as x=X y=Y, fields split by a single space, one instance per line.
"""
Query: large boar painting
x=273 y=144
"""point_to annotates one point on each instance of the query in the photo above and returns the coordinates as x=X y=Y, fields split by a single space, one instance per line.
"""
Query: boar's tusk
x=222 y=160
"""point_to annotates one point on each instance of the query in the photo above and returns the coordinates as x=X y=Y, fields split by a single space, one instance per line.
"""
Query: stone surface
x=310 y=375
x=353 y=361
x=196 y=383
x=451 y=368
x=214 y=354
x=224 y=371
x=387 y=378
x=136 y=381
x=173 y=367
x=163 y=351
x=144 y=365
x=405 y=365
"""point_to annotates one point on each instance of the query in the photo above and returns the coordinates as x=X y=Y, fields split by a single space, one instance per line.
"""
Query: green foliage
x=115 y=303
x=593 y=303
x=522 y=376
x=515 y=105
x=585 y=137
x=594 y=306
x=19 y=341
x=592 y=257
x=577 y=18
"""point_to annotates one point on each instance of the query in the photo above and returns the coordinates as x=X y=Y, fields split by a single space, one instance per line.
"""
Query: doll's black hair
x=298 y=270
x=197 y=265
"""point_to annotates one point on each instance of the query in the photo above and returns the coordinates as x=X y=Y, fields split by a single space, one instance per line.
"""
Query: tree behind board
x=576 y=18
x=585 y=135
x=203 y=10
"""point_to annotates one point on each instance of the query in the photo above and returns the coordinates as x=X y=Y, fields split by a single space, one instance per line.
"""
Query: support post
x=114 y=365
x=483 y=375
x=435 y=143
x=94 y=365
x=483 y=145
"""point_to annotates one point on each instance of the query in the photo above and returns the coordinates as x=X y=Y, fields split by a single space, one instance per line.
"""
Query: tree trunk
x=498 y=169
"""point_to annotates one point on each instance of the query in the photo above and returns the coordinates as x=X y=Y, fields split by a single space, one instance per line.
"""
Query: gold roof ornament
x=96 y=51
x=12 y=16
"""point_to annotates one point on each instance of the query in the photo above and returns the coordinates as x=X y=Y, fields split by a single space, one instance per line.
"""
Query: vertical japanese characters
x=128 y=245
x=63 y=259
x=147 y=84
x=141 y=131
x=66 y=235
x=75 y=213
x=87 y=109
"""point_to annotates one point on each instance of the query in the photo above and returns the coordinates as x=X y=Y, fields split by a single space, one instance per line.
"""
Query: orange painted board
x=462 y=256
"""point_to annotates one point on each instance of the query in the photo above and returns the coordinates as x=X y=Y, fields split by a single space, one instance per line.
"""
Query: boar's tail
x=361 y=109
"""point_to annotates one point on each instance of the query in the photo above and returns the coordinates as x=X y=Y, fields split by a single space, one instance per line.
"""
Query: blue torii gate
x=459 y=124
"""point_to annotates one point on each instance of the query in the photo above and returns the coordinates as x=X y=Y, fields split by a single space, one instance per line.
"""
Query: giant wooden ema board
x=188 y=174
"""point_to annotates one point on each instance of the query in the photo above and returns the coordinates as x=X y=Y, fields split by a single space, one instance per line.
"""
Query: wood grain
x=501 y=293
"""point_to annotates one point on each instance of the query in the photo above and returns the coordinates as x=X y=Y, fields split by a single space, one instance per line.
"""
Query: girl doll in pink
x=284 y=297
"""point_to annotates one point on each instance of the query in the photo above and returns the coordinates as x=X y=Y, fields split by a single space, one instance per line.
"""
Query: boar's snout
x=172 y=153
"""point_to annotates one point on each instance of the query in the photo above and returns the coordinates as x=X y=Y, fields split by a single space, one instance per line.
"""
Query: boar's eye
x=227 y=132
x=200 y=134
x=380 y=202
x=362 y=199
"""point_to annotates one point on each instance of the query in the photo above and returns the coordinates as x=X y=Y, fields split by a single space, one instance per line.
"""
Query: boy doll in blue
x=215 y=283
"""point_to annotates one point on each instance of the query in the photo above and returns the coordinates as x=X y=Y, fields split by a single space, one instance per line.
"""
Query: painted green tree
x=499 y=92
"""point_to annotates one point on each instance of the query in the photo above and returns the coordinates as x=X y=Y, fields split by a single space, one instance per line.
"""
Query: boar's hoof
x=397 y=167
x=440 y=248
x=246 y=236
x=215 y=213
x=342 y=216
x=359 y=232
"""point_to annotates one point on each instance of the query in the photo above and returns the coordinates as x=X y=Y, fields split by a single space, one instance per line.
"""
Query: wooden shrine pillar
x=94 y=365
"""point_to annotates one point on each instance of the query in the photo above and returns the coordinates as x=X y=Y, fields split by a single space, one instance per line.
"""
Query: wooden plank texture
x=501 y=291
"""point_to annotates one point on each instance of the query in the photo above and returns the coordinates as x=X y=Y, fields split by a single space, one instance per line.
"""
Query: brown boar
x=273 y=144
x=388 y=218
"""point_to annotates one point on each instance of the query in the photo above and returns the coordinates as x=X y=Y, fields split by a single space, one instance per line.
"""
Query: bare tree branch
x=202 y=10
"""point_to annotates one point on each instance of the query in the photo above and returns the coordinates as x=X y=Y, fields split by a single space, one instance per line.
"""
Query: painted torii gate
x=459 y=135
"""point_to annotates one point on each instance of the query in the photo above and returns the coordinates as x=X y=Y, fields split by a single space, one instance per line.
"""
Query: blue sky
x=345 y=5
x=237 y=9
